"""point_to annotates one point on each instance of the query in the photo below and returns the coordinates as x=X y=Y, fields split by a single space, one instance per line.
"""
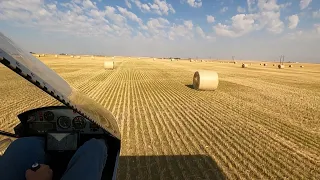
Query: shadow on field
x=189 y=86
x=168 y=167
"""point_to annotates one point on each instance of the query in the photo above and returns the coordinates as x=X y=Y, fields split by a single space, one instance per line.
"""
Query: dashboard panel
x=60 y=120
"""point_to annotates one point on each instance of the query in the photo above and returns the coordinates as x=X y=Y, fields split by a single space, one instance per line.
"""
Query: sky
x=217 y=29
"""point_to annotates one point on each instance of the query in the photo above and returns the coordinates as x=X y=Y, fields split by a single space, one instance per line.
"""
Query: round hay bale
x=280 y=66
x=260 y=64
x=56 y=56
x=38 y=55
x=244 y=65
x=302 y=66
x=72 y=56
x=171 y=59
x=235 y=62
x=205 y=80
x=113 y=57
x=78 y=57
x=43 y=55
x=273 y=65
x=290 y=65
x=92 y=57
x=108 y=65
x=265 y=64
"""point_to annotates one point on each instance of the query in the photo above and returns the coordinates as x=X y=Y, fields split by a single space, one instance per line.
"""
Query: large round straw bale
x=273 y=64
x=78 y=57
x=205 y=80
x=43 y=55
x=260 y=64
x=244 y=65
x=71 y=56
x=38 y=55
x=235 y=62
x=108 y=65
x=92 y=57
x=301 y=66
x=290 y=65
x=265 y=64
x=280 y=66
x=56 y=56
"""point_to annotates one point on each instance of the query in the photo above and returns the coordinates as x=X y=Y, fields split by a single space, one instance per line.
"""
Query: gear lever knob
x=35 y=166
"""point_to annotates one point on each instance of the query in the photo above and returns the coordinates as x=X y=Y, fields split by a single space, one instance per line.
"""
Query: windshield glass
x=33 y=69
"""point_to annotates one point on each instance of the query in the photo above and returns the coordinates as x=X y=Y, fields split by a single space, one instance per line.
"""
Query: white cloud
x=241 y=10
x=194 y=3
x=88 y=4
x=128 y=4
x=200 y=32
x=52 y=7
x=224 y=9
x=30 y=5
x=158 y=23
x=210 y=19
x=188 y=24
x=179 y=30
x=145 y=7
x=316 y=14
x=293 y=21
x=270 y=5
x=43 y=12
x=304 y=3
x=224 y=30
x=129 y=15
x=287 y=4
x=241 y=24
x=269 y=16
x=160 y=7
x=271 y=21
x=80 y=17
x=158 y=28
x=112 y=15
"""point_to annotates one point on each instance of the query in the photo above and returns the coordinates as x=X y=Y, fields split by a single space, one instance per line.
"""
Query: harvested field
x=261 y=122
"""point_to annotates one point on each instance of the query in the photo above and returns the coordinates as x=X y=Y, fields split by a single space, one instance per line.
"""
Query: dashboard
x=65 y=131
x=58 y=119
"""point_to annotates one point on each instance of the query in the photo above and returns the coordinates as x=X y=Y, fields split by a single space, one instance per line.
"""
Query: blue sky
x=246 y=29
